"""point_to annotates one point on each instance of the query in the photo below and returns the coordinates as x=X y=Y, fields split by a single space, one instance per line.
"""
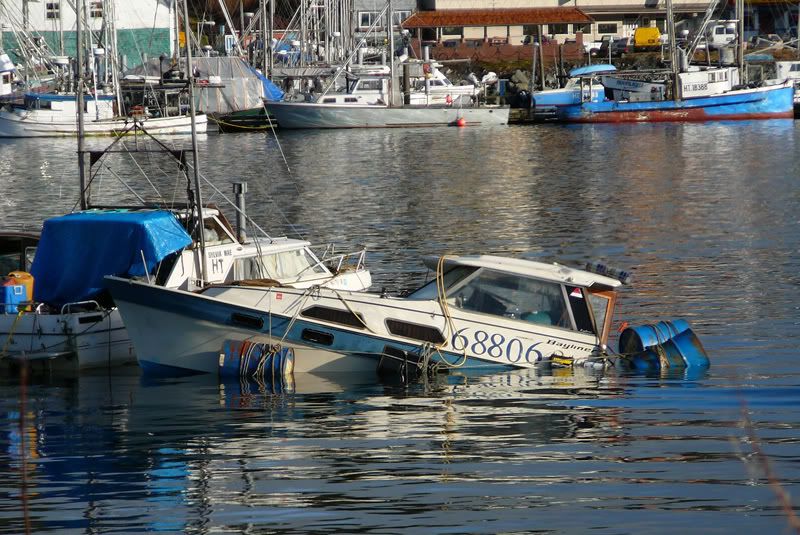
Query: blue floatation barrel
x=666 y=344
x=256 y=360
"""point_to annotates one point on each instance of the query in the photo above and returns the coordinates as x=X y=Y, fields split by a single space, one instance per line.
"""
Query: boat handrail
x=336 y=262
x=67 y=308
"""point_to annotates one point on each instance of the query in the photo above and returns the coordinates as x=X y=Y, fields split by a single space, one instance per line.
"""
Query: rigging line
x=232 y=204
x=128 y=187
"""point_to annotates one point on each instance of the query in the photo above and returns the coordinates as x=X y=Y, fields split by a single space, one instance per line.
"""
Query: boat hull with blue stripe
x=479 y=312
x=767 y=102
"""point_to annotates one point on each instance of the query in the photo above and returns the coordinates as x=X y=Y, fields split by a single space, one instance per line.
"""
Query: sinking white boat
x=55 y=115
x=479 y=312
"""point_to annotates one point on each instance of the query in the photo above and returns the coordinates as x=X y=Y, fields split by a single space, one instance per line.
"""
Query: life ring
x=426 y=68
x=448 y=99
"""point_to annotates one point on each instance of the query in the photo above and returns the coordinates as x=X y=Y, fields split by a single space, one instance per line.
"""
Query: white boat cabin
x=52 y=107
x=531 y=292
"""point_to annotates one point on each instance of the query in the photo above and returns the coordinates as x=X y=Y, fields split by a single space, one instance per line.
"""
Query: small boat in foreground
x=479 y=312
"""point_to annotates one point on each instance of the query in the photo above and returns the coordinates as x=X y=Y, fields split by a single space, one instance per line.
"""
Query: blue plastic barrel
x=689 y=348
x=640 y=337
x=256 y=360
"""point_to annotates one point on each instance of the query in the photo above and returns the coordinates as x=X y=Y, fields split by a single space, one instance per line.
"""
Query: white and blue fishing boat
x=479 y=312
x=700 y=94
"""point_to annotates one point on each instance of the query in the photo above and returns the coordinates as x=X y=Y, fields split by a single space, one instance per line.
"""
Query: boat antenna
x=192 y=113
x=79 y=102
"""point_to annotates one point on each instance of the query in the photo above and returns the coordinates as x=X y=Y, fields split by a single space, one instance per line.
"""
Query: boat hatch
x=334 y=315
x=417 y=332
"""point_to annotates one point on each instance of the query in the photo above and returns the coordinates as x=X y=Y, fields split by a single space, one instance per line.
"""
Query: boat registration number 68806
x=495 y=345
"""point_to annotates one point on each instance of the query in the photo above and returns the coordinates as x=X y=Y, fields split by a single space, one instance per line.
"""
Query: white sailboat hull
x=41 y=123
x=316 y=115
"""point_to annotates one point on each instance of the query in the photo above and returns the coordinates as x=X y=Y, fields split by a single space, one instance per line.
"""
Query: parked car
x=621 y=46
x=602 y=50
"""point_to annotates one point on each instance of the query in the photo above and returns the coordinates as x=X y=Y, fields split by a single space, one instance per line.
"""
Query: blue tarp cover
x=77 y=250
x=271 y=91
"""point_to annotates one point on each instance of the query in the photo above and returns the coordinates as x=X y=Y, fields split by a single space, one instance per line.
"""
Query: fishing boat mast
x=192 y=113
x=673 y=52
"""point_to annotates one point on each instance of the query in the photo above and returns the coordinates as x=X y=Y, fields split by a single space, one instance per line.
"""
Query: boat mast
x=192 y=112
x=740 y=39
x=390 y=29
x=79 y=102
x=673 y=52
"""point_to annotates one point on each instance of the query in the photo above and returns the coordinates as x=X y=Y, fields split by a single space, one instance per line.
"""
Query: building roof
x=495 y=17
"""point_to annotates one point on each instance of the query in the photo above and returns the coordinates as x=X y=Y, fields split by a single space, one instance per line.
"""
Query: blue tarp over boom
x=271 y=91
x=77 y=250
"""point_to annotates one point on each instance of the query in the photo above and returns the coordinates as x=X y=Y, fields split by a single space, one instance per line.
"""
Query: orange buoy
x=461 y=122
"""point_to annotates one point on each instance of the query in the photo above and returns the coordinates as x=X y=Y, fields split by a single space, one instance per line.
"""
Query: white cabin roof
x=554 y=272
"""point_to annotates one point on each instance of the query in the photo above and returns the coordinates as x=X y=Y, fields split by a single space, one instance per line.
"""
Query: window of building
x=96 y=9
x=554 y=29
x=400 y=16
x=583 y=28
x=607 y=28
x=53 y=10
x=367 y=18
x=453 y=32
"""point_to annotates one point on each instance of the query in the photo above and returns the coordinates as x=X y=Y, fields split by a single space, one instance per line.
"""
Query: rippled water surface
x=705 y=216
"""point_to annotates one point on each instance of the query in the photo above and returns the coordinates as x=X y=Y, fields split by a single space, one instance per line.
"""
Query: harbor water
x=705 y=217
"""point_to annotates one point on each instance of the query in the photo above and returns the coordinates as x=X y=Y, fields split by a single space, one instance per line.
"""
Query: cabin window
x=583 y=28
x=580 y=309
x=291 y=265
x=334 y=315
x=350 y=99
x=53 y=10
x=376 y=85
x=557 y=28
x=96 y=9
x=329 y=100
x=513 y=296
x=602 y=303
x=795 y=67
x=214 y=234
x=417 y=332
x=451 y=278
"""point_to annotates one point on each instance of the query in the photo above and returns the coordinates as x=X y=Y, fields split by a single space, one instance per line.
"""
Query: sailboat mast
x=192 y=112
x=390 y=29
x=79 y=102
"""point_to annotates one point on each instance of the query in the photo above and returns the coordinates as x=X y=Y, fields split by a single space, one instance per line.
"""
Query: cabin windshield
x=292 y=265
x=513 y=296
x=521 y=298
x=452 y=277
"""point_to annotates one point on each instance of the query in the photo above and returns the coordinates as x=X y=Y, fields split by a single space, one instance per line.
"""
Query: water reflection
x=691 y=209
